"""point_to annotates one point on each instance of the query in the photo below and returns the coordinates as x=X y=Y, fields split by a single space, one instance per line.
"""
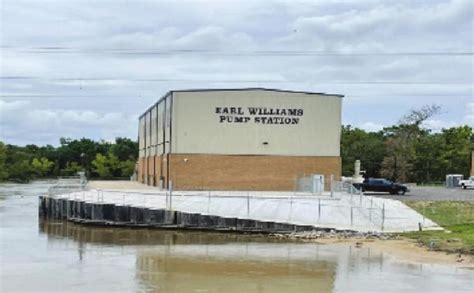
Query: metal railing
x=344 y=207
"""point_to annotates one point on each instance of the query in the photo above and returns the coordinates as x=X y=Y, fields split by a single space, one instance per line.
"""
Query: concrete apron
x=122 y=215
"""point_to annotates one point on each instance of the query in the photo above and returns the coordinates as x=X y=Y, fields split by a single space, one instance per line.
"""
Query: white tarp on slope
x=342 y=211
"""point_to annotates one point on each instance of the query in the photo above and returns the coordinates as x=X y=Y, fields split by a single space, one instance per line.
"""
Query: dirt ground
x=408 y=251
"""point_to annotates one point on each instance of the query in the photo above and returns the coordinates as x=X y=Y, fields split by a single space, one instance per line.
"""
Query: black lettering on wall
x=261 y=115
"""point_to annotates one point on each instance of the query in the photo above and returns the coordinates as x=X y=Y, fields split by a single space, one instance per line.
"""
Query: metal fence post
x=248 y=204
x=332 y=185
x=171 y=195
x=319 y=209
x=208 y=201
x=383 y=216
x=352 y=216
x=291 y=206
x=370 y=209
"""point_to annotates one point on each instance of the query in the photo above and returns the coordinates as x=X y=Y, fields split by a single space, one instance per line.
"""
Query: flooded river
x=45 y=256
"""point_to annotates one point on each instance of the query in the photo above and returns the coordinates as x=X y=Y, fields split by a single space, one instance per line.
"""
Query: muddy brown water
x=47 y=256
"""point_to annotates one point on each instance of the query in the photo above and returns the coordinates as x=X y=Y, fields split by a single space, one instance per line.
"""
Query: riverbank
x=411 y=251
x=456 y=217
x=395 y=245
x=454 y=245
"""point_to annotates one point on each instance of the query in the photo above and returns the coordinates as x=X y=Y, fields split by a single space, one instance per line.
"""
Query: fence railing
x=344 y=207
x=323 y=211
x=67 y=184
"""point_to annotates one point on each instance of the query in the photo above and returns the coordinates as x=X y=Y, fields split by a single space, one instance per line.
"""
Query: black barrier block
x=53 y=208
x=122 y=214
x=205 y=221
x=154 y=217
x=82 y=214
x=284 y=227
x=49 y=207
x=63 y=205
x=208 y=222
x=227 y=223
x=137 y=215
x=87 y=206
x=188 y=219
x=302 y=228
x=76 y=210
x=264 y=226
x=171 y=217
x=181 y=218
x=109 y=212
x=97 y=212
x=70 y=209
x=246 y=224
x=57 y=209
x=41 y=207
x=214 y=221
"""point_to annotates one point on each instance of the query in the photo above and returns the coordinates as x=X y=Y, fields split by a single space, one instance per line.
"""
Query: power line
x=80 y=79
x=138 y=51
x=64 y=96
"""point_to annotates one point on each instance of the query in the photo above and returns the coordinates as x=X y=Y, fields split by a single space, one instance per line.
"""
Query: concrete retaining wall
x=122 y=215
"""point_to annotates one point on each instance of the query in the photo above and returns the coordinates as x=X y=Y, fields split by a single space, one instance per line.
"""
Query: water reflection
x=69 y=257
x=212 y=262
x=184 y=274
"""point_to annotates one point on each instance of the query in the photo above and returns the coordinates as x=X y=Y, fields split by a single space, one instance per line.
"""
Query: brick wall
x=233 y=172
x=246 y=172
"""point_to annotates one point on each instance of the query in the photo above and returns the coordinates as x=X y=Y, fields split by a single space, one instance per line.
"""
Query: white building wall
x=201 y=125
x=141 y=137
x=161 y=117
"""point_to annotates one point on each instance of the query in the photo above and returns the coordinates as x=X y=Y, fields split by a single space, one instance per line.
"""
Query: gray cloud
x=98 y=69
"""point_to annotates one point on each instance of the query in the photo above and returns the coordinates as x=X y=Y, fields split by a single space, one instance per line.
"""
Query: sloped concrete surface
x=342 y=211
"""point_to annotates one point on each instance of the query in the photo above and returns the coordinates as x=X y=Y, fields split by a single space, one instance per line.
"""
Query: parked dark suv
x=381 y=185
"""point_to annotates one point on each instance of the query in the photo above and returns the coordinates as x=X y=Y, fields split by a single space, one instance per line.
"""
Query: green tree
x=3 y=157
x=125 y=149
x=398 y=163
x=127 y=168
x=20 y=171
x=70 y=169
x=458 y=143
x=368 y=147
x=429 y=164
x=41 y=166
x=100 y=166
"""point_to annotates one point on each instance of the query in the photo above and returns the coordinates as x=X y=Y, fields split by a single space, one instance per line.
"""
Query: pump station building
x=239 y=139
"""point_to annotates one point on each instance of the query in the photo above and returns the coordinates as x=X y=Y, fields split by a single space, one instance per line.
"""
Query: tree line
x=409 y=152
x=99 y=159
x=405 y=152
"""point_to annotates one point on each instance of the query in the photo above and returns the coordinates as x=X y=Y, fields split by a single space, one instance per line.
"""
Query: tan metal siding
x=197 y=128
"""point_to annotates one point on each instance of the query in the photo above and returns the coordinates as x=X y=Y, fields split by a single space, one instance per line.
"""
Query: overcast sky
x=89 y=68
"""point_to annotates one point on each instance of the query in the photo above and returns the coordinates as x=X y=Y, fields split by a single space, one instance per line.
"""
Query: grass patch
x=457 y=217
